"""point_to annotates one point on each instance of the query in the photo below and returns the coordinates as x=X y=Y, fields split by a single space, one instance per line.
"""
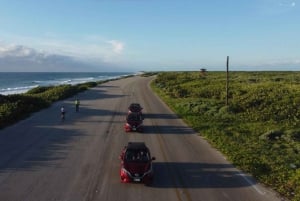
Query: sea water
x=21 y=82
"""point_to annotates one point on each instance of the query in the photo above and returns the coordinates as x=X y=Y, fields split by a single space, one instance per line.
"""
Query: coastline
x=21 y=82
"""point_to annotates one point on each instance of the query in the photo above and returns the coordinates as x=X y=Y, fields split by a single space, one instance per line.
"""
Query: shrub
x=272 y=135
x=38 y=90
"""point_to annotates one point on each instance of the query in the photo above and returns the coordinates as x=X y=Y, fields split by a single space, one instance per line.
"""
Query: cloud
x=293 y=4
x=284 y=62
x=90 y=51
x=19 y=52
x=84 y=47
x=16 y=51
x=274 y=8
x=287 y=4
x=22 y=58
x=117 y=46
x=275 y=64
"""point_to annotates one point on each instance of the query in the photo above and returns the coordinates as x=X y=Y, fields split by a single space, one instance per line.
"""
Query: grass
x=259 y=130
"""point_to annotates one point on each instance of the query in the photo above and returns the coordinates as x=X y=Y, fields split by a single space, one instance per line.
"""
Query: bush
x=294 y=134
x=272 y=135
x=38 y=90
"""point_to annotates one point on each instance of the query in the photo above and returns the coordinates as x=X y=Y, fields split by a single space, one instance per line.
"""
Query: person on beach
x=77 y=103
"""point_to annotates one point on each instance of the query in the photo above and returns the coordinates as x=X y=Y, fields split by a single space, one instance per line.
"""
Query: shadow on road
x=198 y=175
x=160 y=116
x=97 y=94
x=166 y=129
x=41 y=146
x=84 y=111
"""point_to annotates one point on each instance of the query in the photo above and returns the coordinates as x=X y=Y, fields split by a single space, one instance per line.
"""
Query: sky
x=149 y=35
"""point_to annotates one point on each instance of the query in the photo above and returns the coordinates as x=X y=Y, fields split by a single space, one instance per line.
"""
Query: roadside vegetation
x=16 y=107
x=259 y=129
x=148 y=74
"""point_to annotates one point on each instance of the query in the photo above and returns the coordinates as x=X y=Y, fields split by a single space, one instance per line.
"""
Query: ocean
x=16 y=83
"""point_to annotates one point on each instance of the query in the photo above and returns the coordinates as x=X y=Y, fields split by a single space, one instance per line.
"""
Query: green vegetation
x=19 y=106
x=147 y=74
x=259 y=130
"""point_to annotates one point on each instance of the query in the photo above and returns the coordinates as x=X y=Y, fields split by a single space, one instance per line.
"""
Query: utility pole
x=227 y=80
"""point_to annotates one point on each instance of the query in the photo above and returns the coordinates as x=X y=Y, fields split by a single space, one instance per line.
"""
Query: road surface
x=44 y=159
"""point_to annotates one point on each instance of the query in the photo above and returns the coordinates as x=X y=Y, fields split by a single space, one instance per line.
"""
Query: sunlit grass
x=259 y=131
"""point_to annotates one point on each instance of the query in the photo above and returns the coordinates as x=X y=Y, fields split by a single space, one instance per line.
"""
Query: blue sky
x=149 y=35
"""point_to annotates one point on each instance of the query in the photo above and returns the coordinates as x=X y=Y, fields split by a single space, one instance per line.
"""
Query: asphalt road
x=44 y=159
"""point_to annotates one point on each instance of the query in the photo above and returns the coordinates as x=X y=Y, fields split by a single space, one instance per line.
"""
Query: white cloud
x=274 y=8
x=285 y=62
x=84 y=50
x=117 y=46
x=15 y=50
x=86 y=47
x=287 y=4
x=275 y=64
x=293 y=4
x=18 y=52
x=22 y=58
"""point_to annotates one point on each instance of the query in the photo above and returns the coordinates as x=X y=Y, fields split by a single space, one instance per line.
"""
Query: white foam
x=17 y=90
